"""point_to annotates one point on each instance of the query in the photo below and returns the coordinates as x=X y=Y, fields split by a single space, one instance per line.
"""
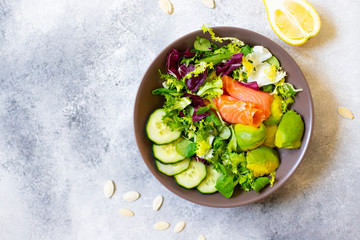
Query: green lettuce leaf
x=176 y=103
x=164 y=91
x=211 y=89
x=225 y=184
x=287 y=91
x=171 y=82
x=260 y=183
x=202 y=44
x=221 y=39
x=199 y=69
x=232 y=143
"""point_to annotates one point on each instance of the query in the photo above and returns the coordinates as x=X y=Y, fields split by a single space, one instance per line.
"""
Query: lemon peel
x=294 y=21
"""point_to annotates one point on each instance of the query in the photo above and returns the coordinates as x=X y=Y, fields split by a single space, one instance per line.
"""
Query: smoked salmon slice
x=234 y=111
x=262 y=100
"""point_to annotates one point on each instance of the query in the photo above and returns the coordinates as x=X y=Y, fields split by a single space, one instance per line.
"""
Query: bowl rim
x=292 y=170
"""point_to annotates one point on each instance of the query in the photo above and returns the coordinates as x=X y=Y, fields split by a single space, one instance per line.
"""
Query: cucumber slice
x=192 y=176
x=167 y=153
x=207 y=186
x=157 y=131
x=173 y=169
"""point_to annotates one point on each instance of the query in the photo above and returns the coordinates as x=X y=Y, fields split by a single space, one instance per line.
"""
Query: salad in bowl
x=223 y=117
x=227 y=111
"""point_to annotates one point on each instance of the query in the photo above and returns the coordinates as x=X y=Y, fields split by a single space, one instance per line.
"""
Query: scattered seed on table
x=126 y=212
x=131 y=196
x=346 y=113
x=209 y=3
x=157 y=203
x=201 y=237
x=109 y=189
x=166 y=6
x=179 y=226
x=161 y=225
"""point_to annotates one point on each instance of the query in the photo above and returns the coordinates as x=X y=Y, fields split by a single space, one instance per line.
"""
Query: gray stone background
x=69 y=73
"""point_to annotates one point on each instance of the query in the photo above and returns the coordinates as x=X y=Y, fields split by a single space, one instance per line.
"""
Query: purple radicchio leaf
x=194 y=83
x=183 y=69
x=252 y=85
x=199 y=159
x=188 y=53
x=196 y=100
x=198 y=117
x=173 y=60
x=225 y=68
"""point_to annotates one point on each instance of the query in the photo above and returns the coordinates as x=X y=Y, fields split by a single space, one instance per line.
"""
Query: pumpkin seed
x=201 y=237
x=179 y=227
x=131 y=196
x=166 y=6
x=109 y=189
x=158 y=201
x=161 y=225
x=209 y=3
x=346 y=113
x=126 y=212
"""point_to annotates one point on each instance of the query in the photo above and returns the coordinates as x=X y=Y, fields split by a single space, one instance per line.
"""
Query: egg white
x=261 y=69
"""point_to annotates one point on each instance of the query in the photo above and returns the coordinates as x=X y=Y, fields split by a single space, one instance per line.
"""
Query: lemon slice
x=294 y=21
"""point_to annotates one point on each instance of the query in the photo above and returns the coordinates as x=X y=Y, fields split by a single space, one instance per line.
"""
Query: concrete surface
x=69 y=72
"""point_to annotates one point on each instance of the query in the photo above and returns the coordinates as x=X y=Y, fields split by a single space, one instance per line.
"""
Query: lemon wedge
x=294 y=21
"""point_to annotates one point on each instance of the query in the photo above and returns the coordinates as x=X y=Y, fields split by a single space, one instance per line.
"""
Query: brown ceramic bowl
x=146 y=103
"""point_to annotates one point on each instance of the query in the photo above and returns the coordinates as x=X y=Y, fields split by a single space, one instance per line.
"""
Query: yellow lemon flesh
x=294 y=21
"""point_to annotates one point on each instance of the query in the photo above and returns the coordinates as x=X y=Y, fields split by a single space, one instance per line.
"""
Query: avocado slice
x=262 y=161
x=270 y=136
x=290 y=131
x=249 y=137
x=276 y=111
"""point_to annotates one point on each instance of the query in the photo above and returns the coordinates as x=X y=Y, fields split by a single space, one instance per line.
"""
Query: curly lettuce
x=211 y=89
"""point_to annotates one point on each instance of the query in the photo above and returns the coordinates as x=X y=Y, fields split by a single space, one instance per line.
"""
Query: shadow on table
x=321 y=149
x=323 y=144
x=326 y=34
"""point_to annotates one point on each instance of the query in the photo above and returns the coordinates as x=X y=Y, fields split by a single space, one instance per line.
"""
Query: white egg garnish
x=263 y=73
x=266 y=74
x=258 y=55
